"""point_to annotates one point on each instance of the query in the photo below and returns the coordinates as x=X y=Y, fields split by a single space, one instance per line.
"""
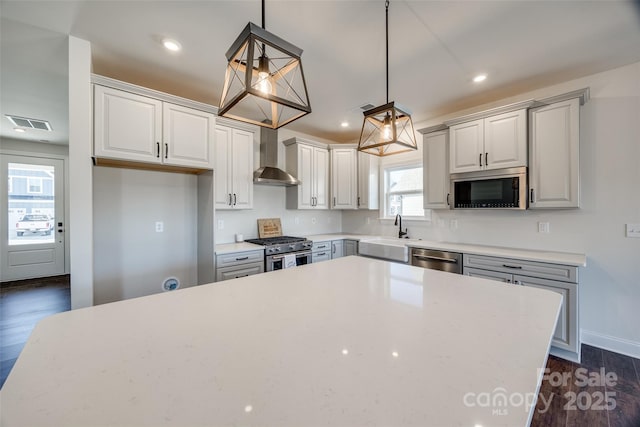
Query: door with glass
x=32 y=217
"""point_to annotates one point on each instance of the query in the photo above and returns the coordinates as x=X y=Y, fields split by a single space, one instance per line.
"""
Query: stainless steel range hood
x=269 y=174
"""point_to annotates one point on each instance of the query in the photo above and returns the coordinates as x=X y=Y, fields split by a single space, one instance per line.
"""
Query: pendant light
x=387 y=129
x=264 y=82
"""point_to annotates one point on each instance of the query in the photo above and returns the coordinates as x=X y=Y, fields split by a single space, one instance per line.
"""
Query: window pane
x=409 y=179
x=412 y=205
x=31 y=209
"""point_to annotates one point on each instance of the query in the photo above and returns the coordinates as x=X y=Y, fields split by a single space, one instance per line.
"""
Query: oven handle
x=298 y=255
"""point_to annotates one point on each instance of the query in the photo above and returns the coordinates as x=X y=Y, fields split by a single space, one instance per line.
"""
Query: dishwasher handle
x=436 y=258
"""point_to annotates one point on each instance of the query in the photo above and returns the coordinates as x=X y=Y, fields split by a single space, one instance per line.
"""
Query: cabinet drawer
x=227 y=273
x=487 y=274
x=321 y=256
x=239 y=258
x=543 y=270
x=321 y=246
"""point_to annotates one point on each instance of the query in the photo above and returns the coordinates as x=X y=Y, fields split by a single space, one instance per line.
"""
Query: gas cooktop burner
x=276 y=240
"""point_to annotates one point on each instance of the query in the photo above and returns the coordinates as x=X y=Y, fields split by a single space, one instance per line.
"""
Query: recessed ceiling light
x=344 y=124
x=172 y=45
x=19 y=130
x=479 y=78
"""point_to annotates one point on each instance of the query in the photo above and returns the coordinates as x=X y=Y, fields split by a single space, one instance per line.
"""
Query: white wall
x=80 y=225
x=131 y=259
x=610 y=197
x=269 y=202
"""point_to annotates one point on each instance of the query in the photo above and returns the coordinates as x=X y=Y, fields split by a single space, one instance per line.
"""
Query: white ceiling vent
x=24 y=122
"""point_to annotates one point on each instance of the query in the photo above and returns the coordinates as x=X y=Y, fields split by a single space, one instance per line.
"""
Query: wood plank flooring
x=569 y=403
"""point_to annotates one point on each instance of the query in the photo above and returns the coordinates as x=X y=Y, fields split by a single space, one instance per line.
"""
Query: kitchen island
x=348 y=342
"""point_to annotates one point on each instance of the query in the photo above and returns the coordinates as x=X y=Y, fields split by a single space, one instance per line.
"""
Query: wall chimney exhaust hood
x=269 y=173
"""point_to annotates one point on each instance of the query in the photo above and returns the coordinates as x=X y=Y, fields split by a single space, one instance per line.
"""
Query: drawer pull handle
x=518 y=267
x=242 y=258
x=322 y=254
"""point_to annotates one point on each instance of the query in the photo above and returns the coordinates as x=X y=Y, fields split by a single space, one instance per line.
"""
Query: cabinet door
x=566 y=333
x=554 y=169
x=337 y=249
x=127 y=126
x=368 y=175
x=242 y=169
x=466 y=146
x=344 y=183
x=505 y=140
x=351 y=246
x=321 y=177
x=306 y=189
x=222 y=170
x=436 y=171
x=487 y=274
x=187 y=137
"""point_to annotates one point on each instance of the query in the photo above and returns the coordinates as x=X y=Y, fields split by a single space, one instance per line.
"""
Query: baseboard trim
x=607 y=342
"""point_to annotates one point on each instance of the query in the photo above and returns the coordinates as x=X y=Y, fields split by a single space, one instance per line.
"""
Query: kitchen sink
x=389 y=248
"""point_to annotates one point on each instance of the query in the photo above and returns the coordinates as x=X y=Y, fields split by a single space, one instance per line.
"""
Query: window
x=34 y=185
x=403 y=191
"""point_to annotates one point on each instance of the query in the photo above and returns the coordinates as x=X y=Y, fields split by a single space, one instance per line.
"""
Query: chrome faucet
x=399 y=223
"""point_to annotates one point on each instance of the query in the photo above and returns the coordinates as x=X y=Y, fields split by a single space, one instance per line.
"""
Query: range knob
x=277 y=249
x=292 y=247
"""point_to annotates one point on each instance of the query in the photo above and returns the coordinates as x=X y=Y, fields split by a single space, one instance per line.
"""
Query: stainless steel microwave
x=492 y=189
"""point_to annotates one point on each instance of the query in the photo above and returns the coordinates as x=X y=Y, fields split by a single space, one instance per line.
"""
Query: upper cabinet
x=498 y=141
x=436 y=168
x=554 y=169
x=139 y=130
x=309 y=162
x=344 y=177
x=234 y=168
x=368 y=180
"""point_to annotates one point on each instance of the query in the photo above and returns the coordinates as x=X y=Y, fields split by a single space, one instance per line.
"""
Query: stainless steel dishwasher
x=437 y=260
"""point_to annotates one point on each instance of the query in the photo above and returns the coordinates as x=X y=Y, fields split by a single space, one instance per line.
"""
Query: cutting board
x=269 y=227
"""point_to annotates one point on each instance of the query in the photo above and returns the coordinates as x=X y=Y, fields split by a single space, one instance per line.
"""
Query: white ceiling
x=436 y=47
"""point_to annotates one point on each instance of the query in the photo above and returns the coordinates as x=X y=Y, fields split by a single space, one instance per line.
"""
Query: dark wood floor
x=572 y=402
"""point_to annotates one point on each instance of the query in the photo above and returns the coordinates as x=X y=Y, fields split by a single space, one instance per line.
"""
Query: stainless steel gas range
x=282 y=249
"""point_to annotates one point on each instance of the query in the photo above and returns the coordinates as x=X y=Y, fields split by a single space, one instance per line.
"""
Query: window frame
x=384 y=194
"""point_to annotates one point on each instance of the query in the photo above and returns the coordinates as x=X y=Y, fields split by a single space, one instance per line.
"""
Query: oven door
x=276 y=262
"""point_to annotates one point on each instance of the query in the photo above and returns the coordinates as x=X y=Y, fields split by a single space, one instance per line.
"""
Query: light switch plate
x=543 y=227
x=220 y=224
x=633 y=230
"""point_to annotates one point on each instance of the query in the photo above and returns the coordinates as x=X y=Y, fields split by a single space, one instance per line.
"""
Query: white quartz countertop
x=334 y=236
x=230 y=248
x=348 y=342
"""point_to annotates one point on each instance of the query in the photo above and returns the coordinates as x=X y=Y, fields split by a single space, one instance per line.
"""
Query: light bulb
x=263 y=84
x=386 y=128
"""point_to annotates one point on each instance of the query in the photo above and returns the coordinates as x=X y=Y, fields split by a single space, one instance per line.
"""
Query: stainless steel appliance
x=494 y=189
x=276 y=248
x=437 y=260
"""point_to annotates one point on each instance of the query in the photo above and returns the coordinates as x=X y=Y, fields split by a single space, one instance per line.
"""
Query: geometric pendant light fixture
x=264 y=82
x=387 y=129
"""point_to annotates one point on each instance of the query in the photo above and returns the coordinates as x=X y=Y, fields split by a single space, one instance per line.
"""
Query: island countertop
x=348 y=342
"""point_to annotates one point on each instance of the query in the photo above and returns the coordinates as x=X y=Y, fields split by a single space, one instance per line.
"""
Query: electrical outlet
x=633 y=230
x=313 y=220
x=159 y=226
x=368 y=220
x=543 y=227
x=296 y=220
x=453 y=224
x=220 y=224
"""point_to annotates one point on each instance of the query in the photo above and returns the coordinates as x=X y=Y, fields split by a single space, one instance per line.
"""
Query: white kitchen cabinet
x=129 y=127
x=234 y=168
x=562 y=279
x=337 y=249
x=436 y=169
x=554 y=169
x=309 y=162
x=350 y=246
x=368 y=181
x=321 y=251
x=344 y=177
x=239 y=264
x=494 y=142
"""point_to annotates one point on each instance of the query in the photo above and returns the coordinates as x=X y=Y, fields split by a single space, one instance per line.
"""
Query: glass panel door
x=33 y=229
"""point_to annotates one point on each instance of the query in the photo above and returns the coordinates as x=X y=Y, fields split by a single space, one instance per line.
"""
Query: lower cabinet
x=562 y=279
x=321 y=251
x=239 y=264
x=337 y=249
x=350 y=247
